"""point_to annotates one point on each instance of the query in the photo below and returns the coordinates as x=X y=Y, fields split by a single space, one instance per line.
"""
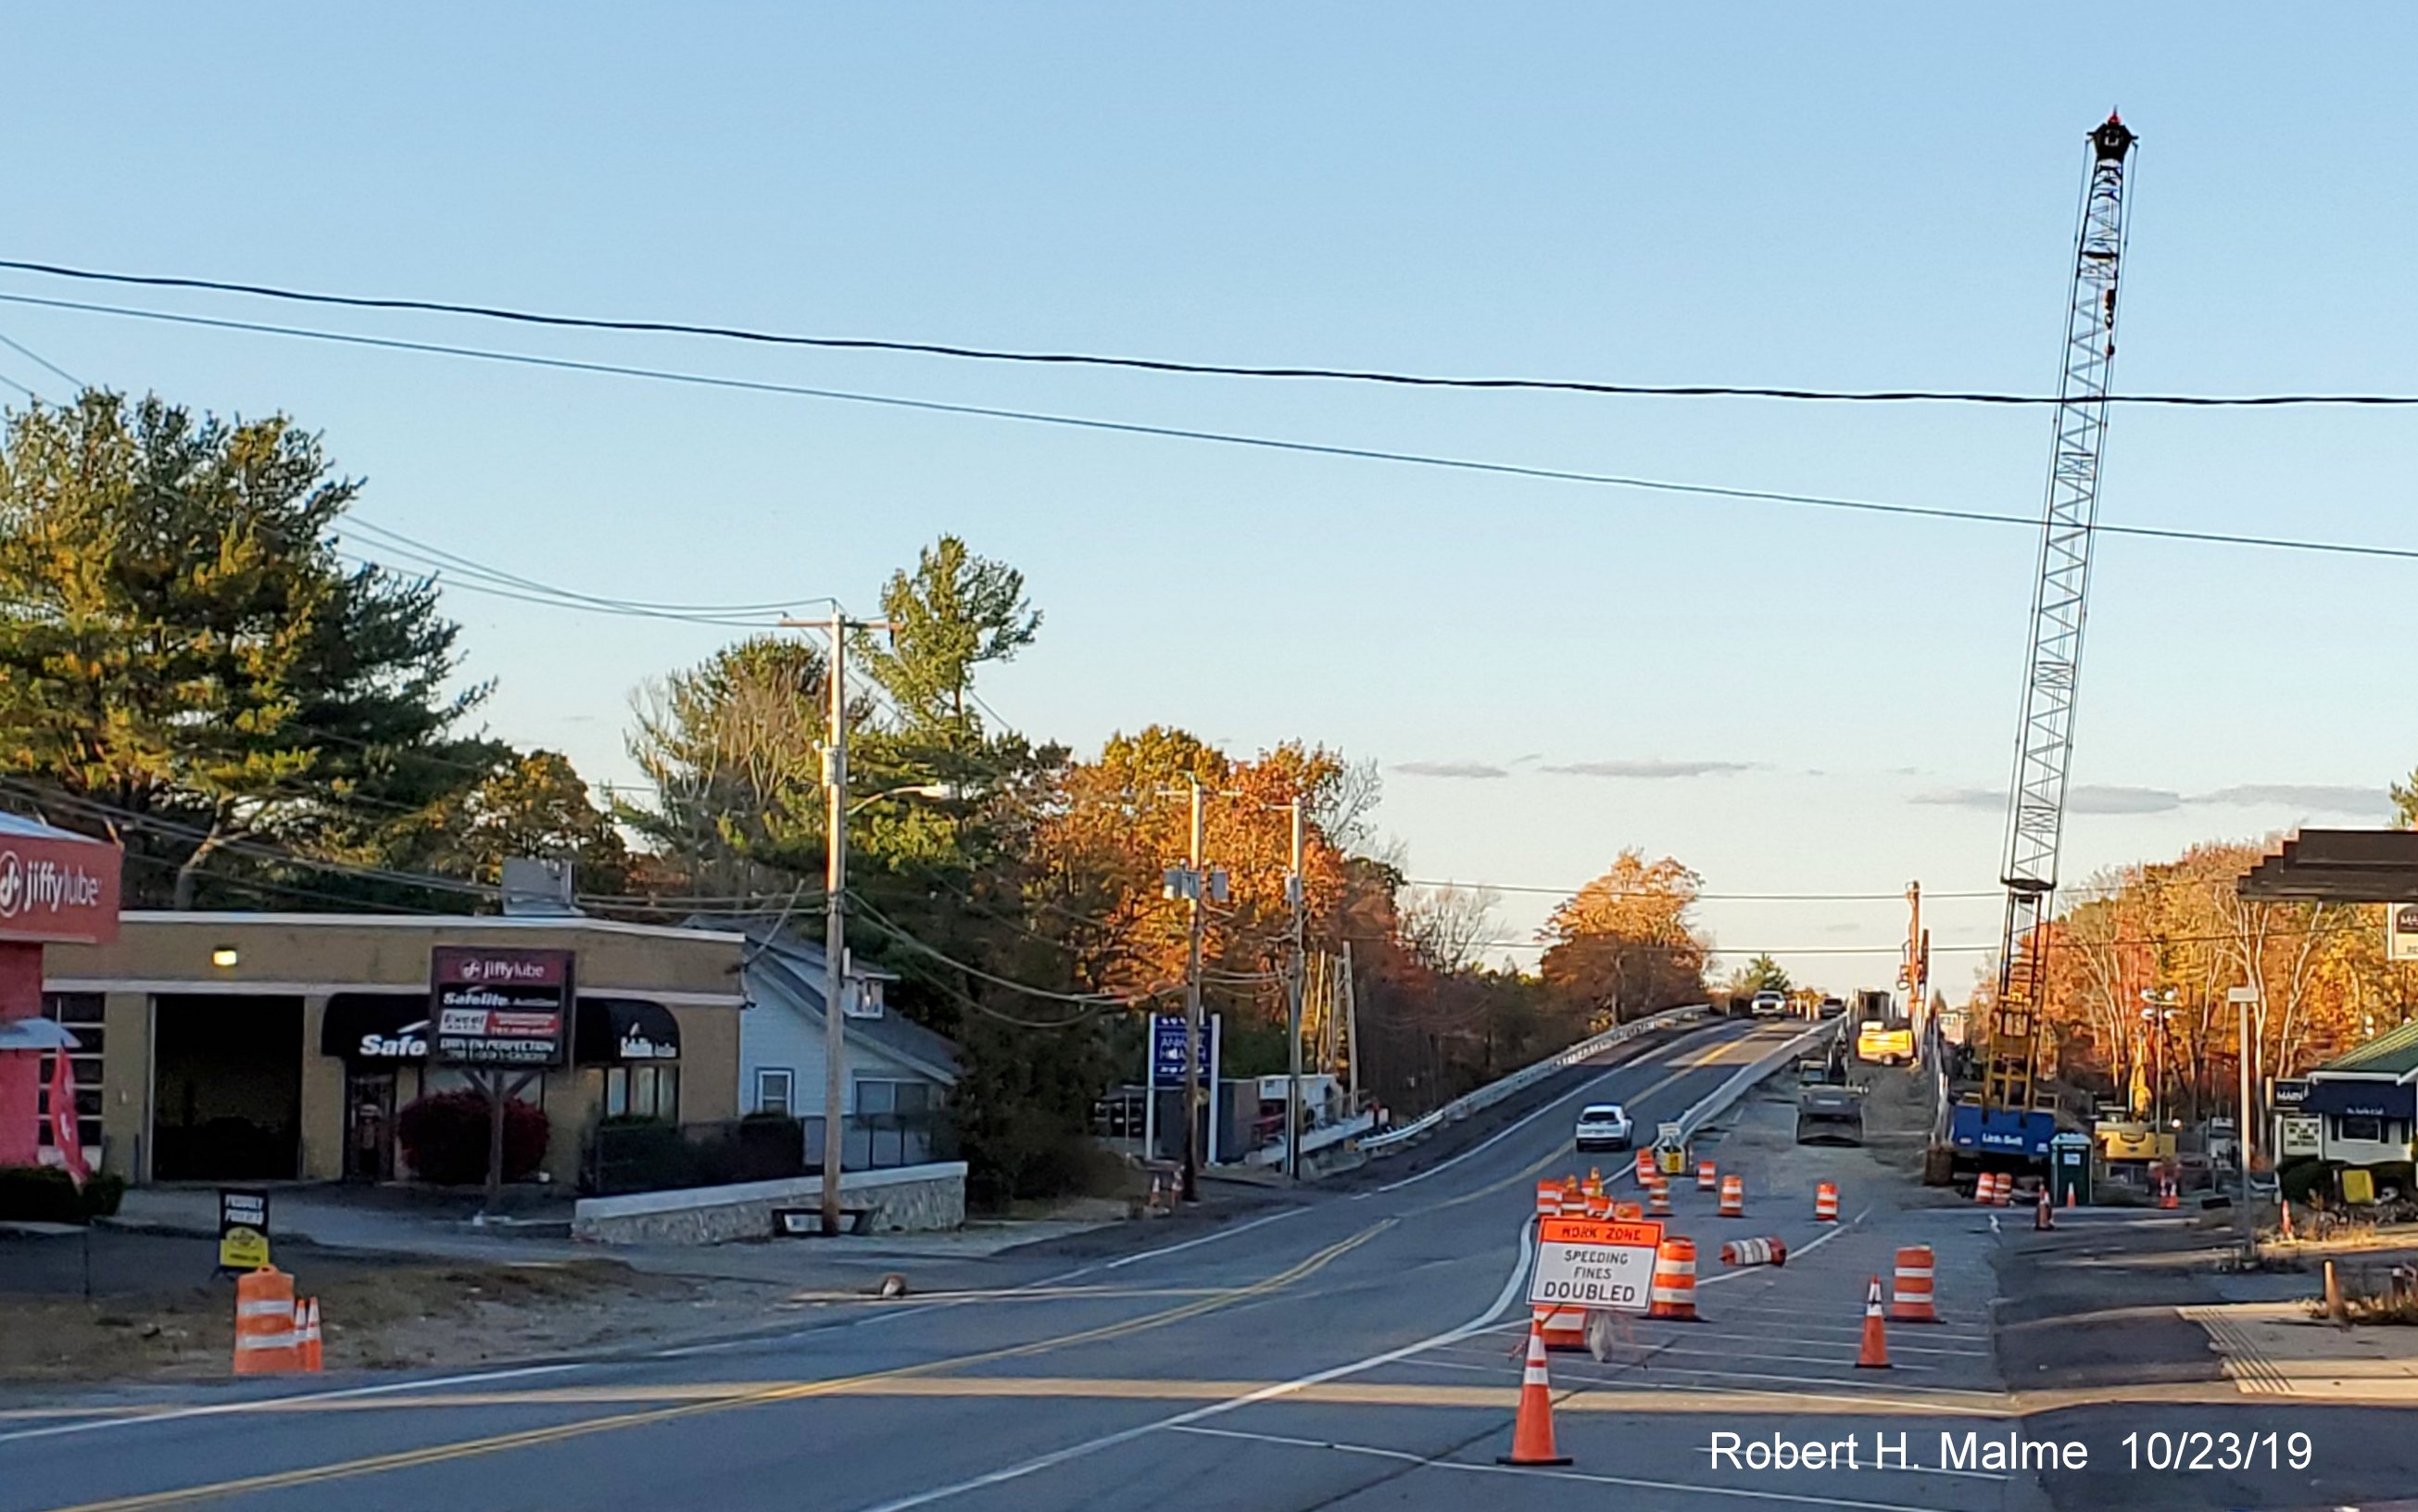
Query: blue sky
x=1789 y=700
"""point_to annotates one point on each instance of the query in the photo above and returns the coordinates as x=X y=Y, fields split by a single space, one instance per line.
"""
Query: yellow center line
x=1583 y=1397
x=787 y=1391
x=1710 y=1056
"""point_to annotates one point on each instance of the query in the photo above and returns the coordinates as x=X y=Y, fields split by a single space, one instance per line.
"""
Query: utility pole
x=1350 y=1029
x=1195 y=887
x=1297 y=896
x=1914 y=962
x=834 y=904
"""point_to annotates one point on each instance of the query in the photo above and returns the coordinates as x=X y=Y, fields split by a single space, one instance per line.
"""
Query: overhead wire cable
x=1468 y=464
x=1167 y=365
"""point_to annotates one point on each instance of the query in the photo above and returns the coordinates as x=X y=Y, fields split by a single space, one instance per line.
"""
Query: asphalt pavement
x=1355 y=1349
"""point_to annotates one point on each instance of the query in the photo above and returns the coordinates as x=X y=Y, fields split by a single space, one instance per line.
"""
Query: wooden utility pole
x=1297 y=896
x=1196 y=886
x=836 y=904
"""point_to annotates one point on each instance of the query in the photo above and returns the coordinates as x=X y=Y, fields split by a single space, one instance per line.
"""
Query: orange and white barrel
x=1733 y=1197
x=265 y=1342
x=1645 y=1165
x=1563 y=1328
x=1771 y=1251
x=1672 y=1294
x=1628 y=1212
x=1598 y=1206
x=1549 y=1200
x=1910 y=1294
x=1708 y=1176
x=1985 y=1188
x=1658 y=1199
x=1826 y=1203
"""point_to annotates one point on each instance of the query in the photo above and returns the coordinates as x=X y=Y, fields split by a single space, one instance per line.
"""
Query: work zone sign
x=1594 y=1262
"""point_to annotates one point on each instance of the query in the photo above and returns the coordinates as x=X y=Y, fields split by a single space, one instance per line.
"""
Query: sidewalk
x=2276 y=1348
x=440 y=1225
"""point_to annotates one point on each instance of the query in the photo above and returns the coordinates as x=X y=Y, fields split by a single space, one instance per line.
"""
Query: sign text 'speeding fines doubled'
x=500 y=1007
x=1601 y=1264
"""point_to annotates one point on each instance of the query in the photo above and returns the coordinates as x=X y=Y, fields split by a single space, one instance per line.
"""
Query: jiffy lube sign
x=56 y=886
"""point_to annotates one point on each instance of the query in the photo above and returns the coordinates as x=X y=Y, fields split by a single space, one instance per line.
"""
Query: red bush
x=444 y=1136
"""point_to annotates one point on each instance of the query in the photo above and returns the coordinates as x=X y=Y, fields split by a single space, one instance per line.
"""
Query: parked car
x=1769 y=1004
x=1604 y=1126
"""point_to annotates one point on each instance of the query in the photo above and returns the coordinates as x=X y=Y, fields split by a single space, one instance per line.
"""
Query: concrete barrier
x=912 y=1199
x=1736 y=1087
x=1518 y=1081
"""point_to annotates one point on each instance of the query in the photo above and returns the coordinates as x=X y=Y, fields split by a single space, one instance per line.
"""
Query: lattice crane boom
x=2044 y=734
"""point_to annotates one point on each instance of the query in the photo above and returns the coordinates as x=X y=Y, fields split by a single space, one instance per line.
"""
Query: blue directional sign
x=1167 y=1049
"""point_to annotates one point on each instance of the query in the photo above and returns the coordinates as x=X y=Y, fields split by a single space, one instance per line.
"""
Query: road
x=1355 y=1350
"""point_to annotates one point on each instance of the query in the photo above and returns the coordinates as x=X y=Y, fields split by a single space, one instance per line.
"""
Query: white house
x=2368 y=1097
x=898 y=1074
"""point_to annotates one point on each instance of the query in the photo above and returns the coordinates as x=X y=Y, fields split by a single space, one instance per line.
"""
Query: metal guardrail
x=1519 y=1081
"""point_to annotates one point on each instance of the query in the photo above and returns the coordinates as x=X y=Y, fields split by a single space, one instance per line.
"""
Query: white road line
x=1585 y=1478
x=1504 y=1133
x=1512 y=1286
x=259 y=1403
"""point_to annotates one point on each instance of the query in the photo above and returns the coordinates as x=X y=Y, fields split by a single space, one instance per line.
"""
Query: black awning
x=376 y=1028
x=2362 y=1099
x=612 y=1031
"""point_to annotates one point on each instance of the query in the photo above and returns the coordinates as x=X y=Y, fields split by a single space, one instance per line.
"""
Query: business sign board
x=243 y=1229
x=1601 y=1264
x=496 y=1006
x=2401 y=931
x=1167 y=1049
x=2288 y=1091
x=2298 y=1134
x=56 y=887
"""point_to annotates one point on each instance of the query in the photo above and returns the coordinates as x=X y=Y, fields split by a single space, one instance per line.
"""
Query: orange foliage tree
x=1623 y=946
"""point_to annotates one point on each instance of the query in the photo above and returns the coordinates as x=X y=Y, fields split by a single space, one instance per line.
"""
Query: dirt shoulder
x=157 y=1312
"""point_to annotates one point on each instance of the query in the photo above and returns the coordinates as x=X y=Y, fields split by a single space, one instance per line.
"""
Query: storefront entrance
x=227 y=1088
x=369 y=1108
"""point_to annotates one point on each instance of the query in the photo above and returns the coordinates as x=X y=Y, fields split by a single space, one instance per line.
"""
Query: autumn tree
x=1624 y=946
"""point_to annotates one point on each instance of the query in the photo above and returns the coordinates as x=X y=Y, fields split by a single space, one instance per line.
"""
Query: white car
x=1769 y=1004
x=1604 y=1126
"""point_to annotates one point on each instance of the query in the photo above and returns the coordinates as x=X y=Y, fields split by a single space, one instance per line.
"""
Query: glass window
x=774 y=1088
x=876 y=1097
x=2366 y=1130
x=642 y=1091
x=81 y=1011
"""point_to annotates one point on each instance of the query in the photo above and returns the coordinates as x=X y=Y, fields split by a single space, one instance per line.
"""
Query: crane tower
x=2009 y=1124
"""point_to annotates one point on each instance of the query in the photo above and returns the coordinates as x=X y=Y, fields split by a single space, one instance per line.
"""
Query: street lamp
x=2160 y=1012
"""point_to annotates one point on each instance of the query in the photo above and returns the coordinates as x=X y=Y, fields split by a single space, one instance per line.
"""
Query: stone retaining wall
x=913 y=1199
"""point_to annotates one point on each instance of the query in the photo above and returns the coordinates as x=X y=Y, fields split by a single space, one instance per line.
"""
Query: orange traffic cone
x=2288 y=1207
x=2069 y=1191
x=1532 y=1432
x=1592 y=1186
x=2043 y=1215
x=1874 y=1356
x=306 y=1335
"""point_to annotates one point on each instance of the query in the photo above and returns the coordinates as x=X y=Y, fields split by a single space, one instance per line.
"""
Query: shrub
x=444 y=1136
x=44 y=1194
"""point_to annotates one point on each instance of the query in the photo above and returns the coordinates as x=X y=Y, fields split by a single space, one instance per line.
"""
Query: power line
x=1898 y=896
x=1264 y=443
x=532 y=585
x=983 y=354
x=23 y=350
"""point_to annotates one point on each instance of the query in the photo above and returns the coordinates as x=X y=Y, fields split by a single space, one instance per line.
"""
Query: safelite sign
x=1600 y=1263
x=500 y=1007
